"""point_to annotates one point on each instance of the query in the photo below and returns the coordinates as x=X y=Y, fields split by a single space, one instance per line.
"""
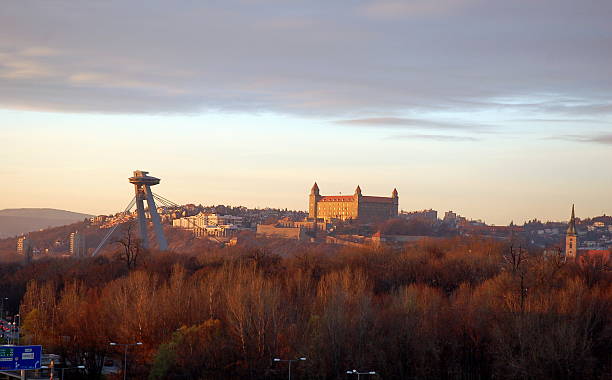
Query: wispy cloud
x=603 y=138
x=407 y=123
x=561 y=107
x=442 y=138
x=559 y=120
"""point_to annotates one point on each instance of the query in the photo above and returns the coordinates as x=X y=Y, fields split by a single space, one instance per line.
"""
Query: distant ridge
x=17 y=221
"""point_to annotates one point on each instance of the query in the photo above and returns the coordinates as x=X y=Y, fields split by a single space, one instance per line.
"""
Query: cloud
x=594 y=107
x=102 y=80
x=442 y=138
x=23 y=65
x=559 y=120
x=323 y=59
x=603 y=138
x=396 y=9
x=38 y=51
x=407 y=123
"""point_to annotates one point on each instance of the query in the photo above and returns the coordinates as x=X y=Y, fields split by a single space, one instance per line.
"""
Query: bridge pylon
x=142 y=182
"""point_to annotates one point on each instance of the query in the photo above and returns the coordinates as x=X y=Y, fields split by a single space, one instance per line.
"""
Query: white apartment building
x=205 y=224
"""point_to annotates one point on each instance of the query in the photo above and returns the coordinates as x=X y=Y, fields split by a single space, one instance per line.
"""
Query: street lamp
x=289 y=361
x=11 y=332
x=18 y=328
x=125 y=345
x=2 y=308
x=355 y=372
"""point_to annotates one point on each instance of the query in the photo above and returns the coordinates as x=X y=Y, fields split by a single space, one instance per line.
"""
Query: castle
x=360 y=207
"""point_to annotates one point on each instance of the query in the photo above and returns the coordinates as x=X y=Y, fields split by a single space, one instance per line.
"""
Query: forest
x=452 y=308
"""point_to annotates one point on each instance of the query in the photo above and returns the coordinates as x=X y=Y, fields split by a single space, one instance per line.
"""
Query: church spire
x=571 y=228
x=394 y=193
x=571 y=238
x=358 y=190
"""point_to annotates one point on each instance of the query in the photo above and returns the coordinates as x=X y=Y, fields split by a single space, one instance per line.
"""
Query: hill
x=18 y=221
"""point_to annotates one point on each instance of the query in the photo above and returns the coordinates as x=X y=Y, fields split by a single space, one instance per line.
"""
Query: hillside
x=21 y=220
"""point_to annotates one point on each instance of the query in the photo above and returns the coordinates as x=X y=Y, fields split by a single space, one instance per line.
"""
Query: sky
x=498 y=110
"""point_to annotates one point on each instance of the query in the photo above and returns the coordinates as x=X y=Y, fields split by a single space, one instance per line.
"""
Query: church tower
x=313 y=199
x=571 y=238
x=395 y=197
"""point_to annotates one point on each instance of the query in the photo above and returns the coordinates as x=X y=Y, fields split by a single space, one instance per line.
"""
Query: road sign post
x=19 y=358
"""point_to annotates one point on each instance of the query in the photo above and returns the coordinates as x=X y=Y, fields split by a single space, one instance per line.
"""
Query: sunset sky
x=499 y=110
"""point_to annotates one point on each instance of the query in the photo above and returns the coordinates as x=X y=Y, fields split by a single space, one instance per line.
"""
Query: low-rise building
x=273 y=231
x=206 y=224
x=204 y=219
x=225 y=230
x=425 y=215
x=310 y=225
x=96 y=220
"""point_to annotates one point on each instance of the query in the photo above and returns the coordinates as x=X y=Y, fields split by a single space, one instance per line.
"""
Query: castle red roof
x=337 y=198
x=351 y=198
x=372 y=199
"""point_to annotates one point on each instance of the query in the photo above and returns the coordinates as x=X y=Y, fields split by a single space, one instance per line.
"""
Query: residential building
x=78 y=244
x=206 y=224
x=273 y=231
x=24 y=244
x=424 y=215
x=203 y=219
x=25 y=247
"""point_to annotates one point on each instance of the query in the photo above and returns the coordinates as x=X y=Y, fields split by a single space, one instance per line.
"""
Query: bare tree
x=131 y=246
x=516 y=260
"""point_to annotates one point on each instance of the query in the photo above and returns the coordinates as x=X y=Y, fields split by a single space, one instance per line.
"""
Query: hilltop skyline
x=440 y=212
x=499 y=111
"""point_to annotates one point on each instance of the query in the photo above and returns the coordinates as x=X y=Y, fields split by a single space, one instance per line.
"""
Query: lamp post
x=125 y=345
x=11 y=332
x=289 y=361
x=355 y=372
x=18 y=328
x=2 y=308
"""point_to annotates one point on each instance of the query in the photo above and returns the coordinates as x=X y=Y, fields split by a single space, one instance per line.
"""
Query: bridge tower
x=142 y=184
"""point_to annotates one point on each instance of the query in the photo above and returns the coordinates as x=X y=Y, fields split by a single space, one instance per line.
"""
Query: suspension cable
x=165 y=200
x=110 y=232
x=168 y=203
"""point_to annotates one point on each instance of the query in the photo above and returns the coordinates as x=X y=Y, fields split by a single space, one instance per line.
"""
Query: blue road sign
x=14 y=358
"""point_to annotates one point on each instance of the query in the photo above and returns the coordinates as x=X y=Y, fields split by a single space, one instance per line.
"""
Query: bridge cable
x=110 y=232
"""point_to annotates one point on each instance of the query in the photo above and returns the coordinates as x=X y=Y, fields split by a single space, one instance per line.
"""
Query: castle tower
x=312 y=201
x=142 y=184
x=571 y=238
